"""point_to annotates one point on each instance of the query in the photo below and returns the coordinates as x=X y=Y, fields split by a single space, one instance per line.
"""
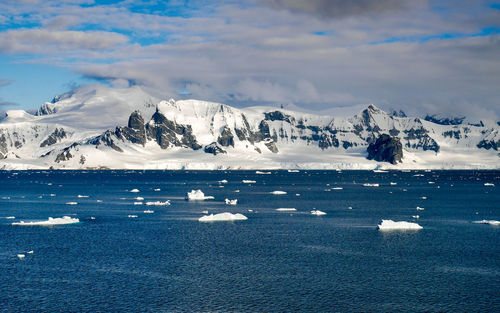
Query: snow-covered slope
x=102 y=127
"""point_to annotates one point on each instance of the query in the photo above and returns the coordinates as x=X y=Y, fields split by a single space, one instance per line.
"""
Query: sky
x=421 y=56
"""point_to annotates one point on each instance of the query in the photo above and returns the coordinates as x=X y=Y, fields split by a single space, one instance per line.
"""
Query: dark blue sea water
x=272 y=262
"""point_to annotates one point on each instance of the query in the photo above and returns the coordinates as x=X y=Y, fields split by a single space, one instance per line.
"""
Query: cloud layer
x=413 y=55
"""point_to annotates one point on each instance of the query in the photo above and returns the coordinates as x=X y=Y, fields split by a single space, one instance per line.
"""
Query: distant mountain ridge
x=102 y=127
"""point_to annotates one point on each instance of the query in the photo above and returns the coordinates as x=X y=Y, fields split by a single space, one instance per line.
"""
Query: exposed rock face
x=226 y=138
x=3 y=147
x=214 y=149
x=444 y=120
x=386 y=149
x=53 y=138
x=135 y=132
x=489 y=144
x=105 y=139
x=65 y=154
x=167 y=133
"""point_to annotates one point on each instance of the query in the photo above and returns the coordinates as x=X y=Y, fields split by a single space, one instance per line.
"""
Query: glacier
x=100 y=127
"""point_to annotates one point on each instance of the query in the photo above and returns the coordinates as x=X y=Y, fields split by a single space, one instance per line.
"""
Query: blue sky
x=422 y=56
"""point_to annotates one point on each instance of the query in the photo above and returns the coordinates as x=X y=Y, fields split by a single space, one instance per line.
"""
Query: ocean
x=275 y=261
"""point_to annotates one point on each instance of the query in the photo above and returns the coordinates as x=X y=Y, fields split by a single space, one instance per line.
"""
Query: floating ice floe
x=148 y=211
x=420 y=209
x=157 y=189
x=286 y=209
x=31 y=252
x=423 y=198
x=391 y=225
x=231 y=202
x=51 y=221
x=297 y=194
x=72 y=203
x=82 y=196
x=52 y=195
x=489 y=184
x=204 y=212
x=223 y=217
x=158 y=203
x=317 y=212
x=262 y=173
x=393 y=184
x=21 y=256
x=349 y=208
x=98 y=201
x=222 y=181
x=138 y=203
x=9 y=217
x=134 y=190
x=197 y=195
x=132 y=216
x=293 y=171
x=415 y=216
x=139 y=198
x=237 y=190
x=431 y=182
x=278 y=192
x=337 y=188
x=247 y=181
x=371 y=185
x=418 y=175
x=491 y=222
x=380 y=171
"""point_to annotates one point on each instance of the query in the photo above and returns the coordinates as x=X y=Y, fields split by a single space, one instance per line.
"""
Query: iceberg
x=420 y=209
x=278 y=192
x=222 y=181
x=380 y=171
x=231 y=202
x=51 y=221
x=393 y=184
x=157 y=189
x=293 y=171
x=286 y=209
x=489 y=184
x=370 y=185
x=415 y=216
x=197 y=195
x=317 y=212
x=132 y=216
x=391 y=225
x=72 y=203
x=21 y=256
x=491 y=222
x=137 y=203
x=223 y=217
x=134 y=190
x=246 y=181
x=148 y=211
x=262 y=173
x=139 y=198
x=158 y=203
x=82 y=196
x=9 y=217
x=337 y=188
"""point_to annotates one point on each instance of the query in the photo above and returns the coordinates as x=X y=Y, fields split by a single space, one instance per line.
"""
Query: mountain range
x=102 y=127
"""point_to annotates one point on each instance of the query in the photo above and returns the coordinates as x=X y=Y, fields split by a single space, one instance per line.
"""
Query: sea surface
x=276 y=261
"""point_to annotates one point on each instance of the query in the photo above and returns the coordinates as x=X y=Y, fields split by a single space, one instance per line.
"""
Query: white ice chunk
x=137 y=203
x=489 y=184
x=317 y=212
x=222 y=181
x=278 y=192
x=391 y=225
x=293 y=171
x=491 y=222
x=380 y=171
x=415 y=216
x=231 y=202
x=337 y=188
x=247 y=181
x=21 y=256
x=223 y=217
x=139 y=198
x=31 y=252
x=423 y=198
x=149 y=211
x=132 y=216
x=51 y=221
x=98 y=201
x=286 y=209
x=134 y=190
x=72 y=203
x=82 y=196
x=420 y=209
x=158 y=203
x=197 y=195
x=9 y=217
x=157 y=189
x=370 y=185
x=393 y=184
x=262 y=173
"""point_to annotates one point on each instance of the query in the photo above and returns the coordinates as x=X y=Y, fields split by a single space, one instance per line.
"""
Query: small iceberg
x=489 y=184
x=31 y=252
x=420 y=209
x=380 y=171
x=391 y=225
x=293 y=171
x=371 y=185
x=139 y=198
x=416 y=216
x=221 y=217
x=9 y=217
x=317 y=212
x=148 y=211
x=137 y=203
x=337 y=188
x=197 y=195
x=72 y=203
x=134 y=190
x=158 y=203
x=262 y=173
x=21 y=256
x=231 y=202
x=247 y=181
x=286 y=209
x=431 y=182
x=423 y=198
x=132 y=216
x=278 y=192
x=157 y=189
x=82 y=196
x=51 y=221
x=222 y=181
x=393 y=184
x=491 y=222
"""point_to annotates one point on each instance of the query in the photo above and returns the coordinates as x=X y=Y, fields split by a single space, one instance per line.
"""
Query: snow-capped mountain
x=102 y=127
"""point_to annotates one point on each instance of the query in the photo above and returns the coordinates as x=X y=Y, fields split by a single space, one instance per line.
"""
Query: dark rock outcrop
x=444 y=120
x=226 y=138
x=66 y=154
x=3 y=147
x=135 y=132
x=166 y=133
x=105 y=139
x=54 y=137
x=489 y=144
x=386 y=149
x=214 y=149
